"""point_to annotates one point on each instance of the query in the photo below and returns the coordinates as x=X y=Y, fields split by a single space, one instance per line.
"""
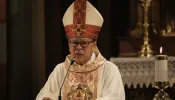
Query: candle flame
x=161 y=50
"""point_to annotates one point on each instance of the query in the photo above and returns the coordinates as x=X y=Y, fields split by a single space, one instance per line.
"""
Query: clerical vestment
x=99 y=79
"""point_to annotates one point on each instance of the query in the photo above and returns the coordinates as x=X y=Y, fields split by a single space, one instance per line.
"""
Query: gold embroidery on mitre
x=79 y=12
x=79 y=29
x=83 y=30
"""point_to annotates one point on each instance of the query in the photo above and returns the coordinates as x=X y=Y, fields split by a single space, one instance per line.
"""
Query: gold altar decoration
x=161 y=95
x=146 y=48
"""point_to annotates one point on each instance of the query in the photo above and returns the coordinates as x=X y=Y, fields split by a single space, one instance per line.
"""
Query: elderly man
x=91 y=76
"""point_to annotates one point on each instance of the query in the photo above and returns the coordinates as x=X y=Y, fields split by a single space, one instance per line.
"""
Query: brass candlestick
x=146 y=48
x=161 y=95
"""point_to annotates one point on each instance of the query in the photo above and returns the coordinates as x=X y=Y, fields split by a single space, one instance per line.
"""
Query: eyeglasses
x=83 y=44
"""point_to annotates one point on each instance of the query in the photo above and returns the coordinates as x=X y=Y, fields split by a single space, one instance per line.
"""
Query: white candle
x=161 y=70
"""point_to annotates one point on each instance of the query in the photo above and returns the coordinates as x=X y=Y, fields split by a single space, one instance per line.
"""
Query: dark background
x=25 y=73
x=36 y=41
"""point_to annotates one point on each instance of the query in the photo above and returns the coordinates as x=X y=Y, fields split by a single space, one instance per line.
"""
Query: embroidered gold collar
x=86 y=67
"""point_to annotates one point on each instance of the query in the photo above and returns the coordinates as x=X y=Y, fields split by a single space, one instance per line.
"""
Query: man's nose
x=78 y=46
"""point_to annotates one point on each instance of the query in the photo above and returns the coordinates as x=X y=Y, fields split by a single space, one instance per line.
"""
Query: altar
x=138 y=76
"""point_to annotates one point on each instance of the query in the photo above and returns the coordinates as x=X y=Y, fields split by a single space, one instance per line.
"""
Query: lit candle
x=161 y=70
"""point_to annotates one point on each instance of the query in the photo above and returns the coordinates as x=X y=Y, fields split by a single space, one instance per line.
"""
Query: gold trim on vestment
x=82 y=81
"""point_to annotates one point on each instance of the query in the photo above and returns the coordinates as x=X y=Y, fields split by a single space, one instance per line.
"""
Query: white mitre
x=82 y=19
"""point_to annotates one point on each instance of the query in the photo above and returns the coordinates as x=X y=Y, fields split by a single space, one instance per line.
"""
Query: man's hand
x=46 y=98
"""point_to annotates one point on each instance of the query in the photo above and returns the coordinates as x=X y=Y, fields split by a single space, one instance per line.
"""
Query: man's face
x=81 y=49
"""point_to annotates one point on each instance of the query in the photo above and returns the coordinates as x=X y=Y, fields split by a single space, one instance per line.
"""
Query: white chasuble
x=99 y=79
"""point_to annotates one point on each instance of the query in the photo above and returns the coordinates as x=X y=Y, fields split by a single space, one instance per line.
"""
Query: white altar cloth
x=141 y=71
